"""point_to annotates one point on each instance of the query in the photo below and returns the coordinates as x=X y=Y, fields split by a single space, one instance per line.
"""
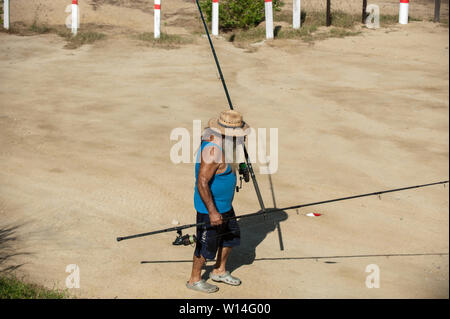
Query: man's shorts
x=210 y=238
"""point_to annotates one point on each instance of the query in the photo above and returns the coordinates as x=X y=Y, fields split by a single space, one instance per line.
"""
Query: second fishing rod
x=274 y=210
x=249 y=164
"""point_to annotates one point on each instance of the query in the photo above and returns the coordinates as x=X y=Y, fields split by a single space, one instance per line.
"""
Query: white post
x=297 y=14
x=403 y=12
x=269 y=19
x=6 y=14
x=75 y=17
x=157 y=26
x=215 y=18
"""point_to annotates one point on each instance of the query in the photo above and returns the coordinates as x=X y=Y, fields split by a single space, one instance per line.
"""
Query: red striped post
x=75 y=17
x=297 y=17
x=215 y=18
x=157 y=19
x=269 y=19
x=403 y=12
x=6 y=14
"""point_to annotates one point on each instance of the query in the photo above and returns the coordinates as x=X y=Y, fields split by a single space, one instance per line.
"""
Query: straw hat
x=229 y=123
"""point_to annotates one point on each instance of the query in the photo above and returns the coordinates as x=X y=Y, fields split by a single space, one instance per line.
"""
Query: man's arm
x=208 y=167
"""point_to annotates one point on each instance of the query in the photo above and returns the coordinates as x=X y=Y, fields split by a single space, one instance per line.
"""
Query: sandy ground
x=85 y=146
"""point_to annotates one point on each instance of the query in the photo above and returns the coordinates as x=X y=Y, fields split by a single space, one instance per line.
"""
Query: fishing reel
x=185 y=240
x=244 y=175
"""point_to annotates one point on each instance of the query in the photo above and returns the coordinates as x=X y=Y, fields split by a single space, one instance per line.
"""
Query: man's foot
x=226 y=278
x=202 y=286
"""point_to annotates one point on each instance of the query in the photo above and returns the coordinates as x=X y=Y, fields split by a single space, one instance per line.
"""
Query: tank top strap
x=210 y=144
x=202 y=146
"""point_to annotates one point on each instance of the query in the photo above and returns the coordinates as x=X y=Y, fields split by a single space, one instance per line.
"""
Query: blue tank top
x=222 y=186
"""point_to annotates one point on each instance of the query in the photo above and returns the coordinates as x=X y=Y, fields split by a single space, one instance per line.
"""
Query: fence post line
x=6 y=14
x=157 y=19
x=403 y=12
x=297 y=15
x=269 y=19
x=215 y=18
x=364 y=13
x=328 y=13
x=75 y=17
x=437 y=10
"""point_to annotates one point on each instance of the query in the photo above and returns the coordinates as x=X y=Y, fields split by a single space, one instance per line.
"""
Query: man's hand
x=215 y=219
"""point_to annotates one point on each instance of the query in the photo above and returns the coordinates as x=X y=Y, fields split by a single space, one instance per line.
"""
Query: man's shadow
x=254 y=230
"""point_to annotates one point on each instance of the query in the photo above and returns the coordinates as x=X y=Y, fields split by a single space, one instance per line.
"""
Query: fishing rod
x=249 y=164
x=247 y=159
x=244 y=170
x=185 y=238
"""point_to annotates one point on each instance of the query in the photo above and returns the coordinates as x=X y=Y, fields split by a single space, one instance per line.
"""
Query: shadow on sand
x=253 y=231
x=8 y=249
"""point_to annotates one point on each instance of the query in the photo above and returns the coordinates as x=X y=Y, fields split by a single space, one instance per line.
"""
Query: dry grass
x=88 y=35
x=313 y=28
x=143 y=5
x=166 y=41
x=346 y=21
x=313 y=24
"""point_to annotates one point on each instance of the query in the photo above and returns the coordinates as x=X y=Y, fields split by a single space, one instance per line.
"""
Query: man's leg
x=197 y=266
x=222 y=256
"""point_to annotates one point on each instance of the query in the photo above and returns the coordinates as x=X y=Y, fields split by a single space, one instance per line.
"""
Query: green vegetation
x=239 y=14
x=13 y=288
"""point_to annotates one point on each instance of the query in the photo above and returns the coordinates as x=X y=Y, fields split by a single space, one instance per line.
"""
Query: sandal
x=226 y=278
x=202 y=286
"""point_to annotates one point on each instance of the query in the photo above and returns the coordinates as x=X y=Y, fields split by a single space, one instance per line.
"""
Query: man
x=214 y=192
